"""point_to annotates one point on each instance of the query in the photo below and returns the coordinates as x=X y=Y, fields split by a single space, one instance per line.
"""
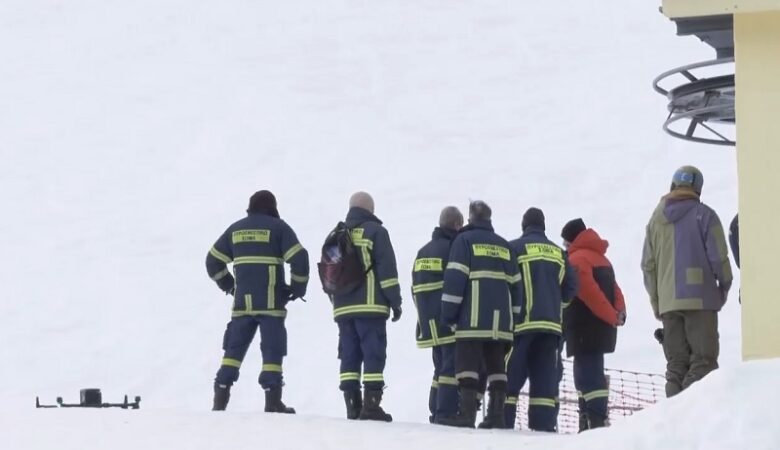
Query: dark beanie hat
x=572 y=229
x=534 y=217
x=263 y=202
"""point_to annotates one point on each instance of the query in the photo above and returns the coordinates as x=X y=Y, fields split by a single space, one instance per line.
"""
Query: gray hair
x=363 y=200
x=451 y=218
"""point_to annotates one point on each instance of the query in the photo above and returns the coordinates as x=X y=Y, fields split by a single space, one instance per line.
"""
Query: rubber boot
x=467 y=412
x=583 y=416
x=596 y=421
x=354 y=402
x=221 y=397
x=495 y=414
x=372 y=409
x=432 y=397
x=510 y=415
x=273 y=402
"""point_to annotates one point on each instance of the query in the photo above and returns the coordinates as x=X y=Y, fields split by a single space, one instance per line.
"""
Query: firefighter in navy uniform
x=362 y=314
x=427 y=284
x=481 y=295
x=257 y=246
x=547 y=284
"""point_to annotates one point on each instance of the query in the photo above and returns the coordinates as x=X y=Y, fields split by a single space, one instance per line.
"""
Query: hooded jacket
x=548 y=282
x=685 y=259
x=481 y=285
x=257 y=246
x=427 y=285
x=590 y=320
x=381 y=291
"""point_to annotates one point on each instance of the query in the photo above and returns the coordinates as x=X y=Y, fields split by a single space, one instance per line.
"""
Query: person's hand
x=397 y=313
x=621 y=317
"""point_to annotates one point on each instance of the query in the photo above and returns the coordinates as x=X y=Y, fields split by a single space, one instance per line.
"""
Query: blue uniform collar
x=357 y=216
x=443 y=233
x=532 y=229
x=478 y=225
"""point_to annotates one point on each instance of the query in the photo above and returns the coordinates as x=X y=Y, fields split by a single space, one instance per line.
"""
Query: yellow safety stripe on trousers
x=493 y=275
x=264 y=312
x=299 y=278
x=272 y=368
x=230 y=362
x=474 y=304
x=373 y=377
x=538 y=325
x=450 y=381
x=390 y=282
x=529 y=291
x=356 y=309
x=427 y=287
x=484 y=334
x=220 y=275
x=271 y=287
x=292 y=252
x=458 y=266
x=349 y=376
x=540 y=401
x=257 y=260
x=592 y=395
x=219 y=255
x=434 y=384
x=511 y=401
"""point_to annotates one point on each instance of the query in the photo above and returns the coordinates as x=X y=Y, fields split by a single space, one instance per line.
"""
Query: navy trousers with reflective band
x=591 y=384
x=535 y=357
x=477 y=358
x=362 y=345
x=445 y=403
x=273 y=345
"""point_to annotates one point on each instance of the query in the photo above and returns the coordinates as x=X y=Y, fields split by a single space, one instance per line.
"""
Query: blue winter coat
x=257 y=246
x=381 y=290
x=548 y=281
x=481 y=285
x=427 y=285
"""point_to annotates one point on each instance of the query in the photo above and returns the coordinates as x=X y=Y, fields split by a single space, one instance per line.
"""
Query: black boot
x=495 y=413
x=467 y=411
x=596 y=421
x=221 y=397
x=583 y=423
x=432 y=397
x=273 y=401
x=354 y=403
x=371 y=407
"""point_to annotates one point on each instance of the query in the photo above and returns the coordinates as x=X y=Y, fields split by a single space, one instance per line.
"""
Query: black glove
x=227 y=284
x=287 y=294
x=397 y=313
x=621 y=318
x=659 y=335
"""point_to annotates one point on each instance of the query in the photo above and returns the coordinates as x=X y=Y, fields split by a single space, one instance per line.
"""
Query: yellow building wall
x=757 y=51
x=694 y=8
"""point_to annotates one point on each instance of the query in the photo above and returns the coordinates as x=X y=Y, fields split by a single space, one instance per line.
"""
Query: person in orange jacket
x=590 y=321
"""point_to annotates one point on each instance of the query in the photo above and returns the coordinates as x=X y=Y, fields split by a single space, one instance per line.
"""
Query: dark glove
x=621 y=318
x=288 y=294
x=397 y=313
x=659 y=335
x=227 y=284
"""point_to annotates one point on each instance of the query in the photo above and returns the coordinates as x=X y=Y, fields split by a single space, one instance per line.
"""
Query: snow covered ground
x=133 y=133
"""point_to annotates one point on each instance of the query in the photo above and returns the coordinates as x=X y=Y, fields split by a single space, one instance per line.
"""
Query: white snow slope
x=133 y=133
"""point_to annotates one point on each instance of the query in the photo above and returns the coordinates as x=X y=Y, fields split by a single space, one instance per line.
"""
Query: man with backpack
x=548 y=283
x=363 y=294
x=427 y=285
x=480 y=296
x=257 y=246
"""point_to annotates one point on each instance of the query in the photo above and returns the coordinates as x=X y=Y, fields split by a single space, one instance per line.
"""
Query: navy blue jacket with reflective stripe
x=381 y=289
x=481 y=285
x=548 y=282
x=257 y=246
x=427 y=285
